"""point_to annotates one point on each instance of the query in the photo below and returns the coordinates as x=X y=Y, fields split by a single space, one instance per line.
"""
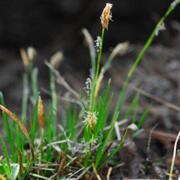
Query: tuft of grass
x=81 y=137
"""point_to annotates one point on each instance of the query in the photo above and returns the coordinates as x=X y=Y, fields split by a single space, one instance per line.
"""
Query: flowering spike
x=41 y=113
x=106 y=15
x=91 y=120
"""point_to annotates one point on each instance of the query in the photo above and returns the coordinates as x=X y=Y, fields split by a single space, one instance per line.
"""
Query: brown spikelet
x=41 y=113
x=15 y=118
x=106 y=15
x=24 y=57
x=91 y=120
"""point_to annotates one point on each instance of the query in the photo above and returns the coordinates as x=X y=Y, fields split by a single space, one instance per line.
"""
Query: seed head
x=56 y=59
x=24 y=57
x=91 y=120
x=106 y=15
x=120 y=49
x=31 y=52
x=27 y=55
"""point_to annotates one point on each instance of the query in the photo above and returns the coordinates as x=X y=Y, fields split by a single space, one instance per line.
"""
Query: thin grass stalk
x=132 y=106
x=100 y=53
x=143 y=117
x=34 y=121
x=94 y=84
x=96 y=173
x=174 y=157
x=92 y=52
x=135 y=112
x=25 y=96
x=34 y=84
x=54 y=100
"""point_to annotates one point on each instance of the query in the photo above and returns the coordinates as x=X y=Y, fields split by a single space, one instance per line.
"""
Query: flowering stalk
x=55 y=62
x=106 y=16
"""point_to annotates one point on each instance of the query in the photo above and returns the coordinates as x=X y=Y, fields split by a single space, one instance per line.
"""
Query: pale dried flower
x=56 y=59
x=131 y=128
x=24 y=57
x=106 y=15
x=31 y=52
x=90 y=42
x=120 y=49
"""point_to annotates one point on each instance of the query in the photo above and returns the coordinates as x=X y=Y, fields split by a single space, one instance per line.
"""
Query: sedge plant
x=45 y=145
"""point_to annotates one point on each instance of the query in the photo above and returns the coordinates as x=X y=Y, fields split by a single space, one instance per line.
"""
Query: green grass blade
x=103 y=109
x=132 y=106
x=33 y=129
x=5 y=153
x=7 y=125
x=143 y=118
x=71 y=122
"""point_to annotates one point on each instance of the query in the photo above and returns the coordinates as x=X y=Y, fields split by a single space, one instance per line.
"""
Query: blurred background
x=55 y=25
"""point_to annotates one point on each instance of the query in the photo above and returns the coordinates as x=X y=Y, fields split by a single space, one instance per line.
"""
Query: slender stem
x=174 y=156
x=54 y=99
x=100 y=53
x=97 y=70
x=25 y=96
x=34 y=84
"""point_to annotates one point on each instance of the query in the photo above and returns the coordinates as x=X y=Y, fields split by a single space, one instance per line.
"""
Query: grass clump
x=84 y=140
